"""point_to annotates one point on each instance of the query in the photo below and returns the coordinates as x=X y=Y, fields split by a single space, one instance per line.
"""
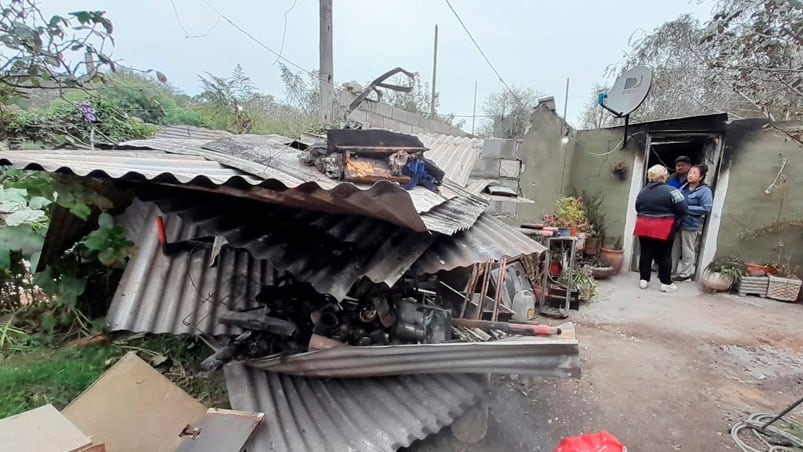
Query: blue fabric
x=418 y=176
x=700 y=201
x=675 y=181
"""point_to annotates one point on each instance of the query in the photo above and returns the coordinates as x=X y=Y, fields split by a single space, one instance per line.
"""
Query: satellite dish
x=627 y=94
x=629 y=91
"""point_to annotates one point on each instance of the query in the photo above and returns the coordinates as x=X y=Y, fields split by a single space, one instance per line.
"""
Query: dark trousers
x=661 y=252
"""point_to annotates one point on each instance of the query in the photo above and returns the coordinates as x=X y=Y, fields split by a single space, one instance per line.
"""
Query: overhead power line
x=487 y=60
x=278 y=55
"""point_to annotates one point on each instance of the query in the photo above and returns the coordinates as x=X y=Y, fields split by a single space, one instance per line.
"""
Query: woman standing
x=700 y=200
x=659 y=208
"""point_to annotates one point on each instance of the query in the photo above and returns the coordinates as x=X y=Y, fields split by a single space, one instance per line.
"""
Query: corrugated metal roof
x=456 y=156
x=366 y=414
x=331 y=252
x=383 y=200
x=192 y=132
x=488 y=239
x=538 y=356
x=182 y=294
x=179 y=294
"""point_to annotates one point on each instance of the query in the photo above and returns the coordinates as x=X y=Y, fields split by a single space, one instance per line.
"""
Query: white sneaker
x=669 y=288
x=643 y=284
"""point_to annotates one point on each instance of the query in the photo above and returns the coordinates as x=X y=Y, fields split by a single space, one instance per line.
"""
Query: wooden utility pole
x=434 y=71
x=326 y=70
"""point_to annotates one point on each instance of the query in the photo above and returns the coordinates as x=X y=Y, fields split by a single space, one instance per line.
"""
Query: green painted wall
x=547 y=166
x=752 y=159
x=596 y=152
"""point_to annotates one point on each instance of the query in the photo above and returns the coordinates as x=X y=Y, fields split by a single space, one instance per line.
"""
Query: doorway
x=664 y=148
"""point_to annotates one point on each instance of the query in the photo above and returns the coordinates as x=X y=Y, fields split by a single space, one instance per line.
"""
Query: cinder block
x=486 y=168
x=405 y=128
x=391 y=124
x=509 y=183
x=509 y=168
x=385 y=110
x=498 y=147
x=399 y=115
x=509 y=209
x=375 y=121
x=417 y=130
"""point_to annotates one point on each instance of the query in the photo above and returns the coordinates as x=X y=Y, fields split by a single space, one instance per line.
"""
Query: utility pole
x=474 y=111
x=434 y=72
x=326 y=67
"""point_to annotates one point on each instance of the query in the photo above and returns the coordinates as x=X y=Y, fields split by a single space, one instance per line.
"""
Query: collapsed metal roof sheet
x=367 y=414
x=456 y=156
x=488 y=239
x=539 y=356
x=419 y=209
x=192 y=132
x=179 y=294
x=183 y=293
x=331 y=252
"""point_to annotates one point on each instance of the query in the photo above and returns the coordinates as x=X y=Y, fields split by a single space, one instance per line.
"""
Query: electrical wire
x=284 y=31
x=265 y=46
x=487 y=60
x=181 y=25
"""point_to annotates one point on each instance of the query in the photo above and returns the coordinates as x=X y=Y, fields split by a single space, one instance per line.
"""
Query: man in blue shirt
x=682 y=166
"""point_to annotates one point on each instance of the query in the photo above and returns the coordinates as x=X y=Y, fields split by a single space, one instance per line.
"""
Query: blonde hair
x=657 y=173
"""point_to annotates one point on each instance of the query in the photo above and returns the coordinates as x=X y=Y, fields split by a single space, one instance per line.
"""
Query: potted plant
x=583 y=282
x=785 y=284
x=723 y=273
x=614 y=255
x=599 y=268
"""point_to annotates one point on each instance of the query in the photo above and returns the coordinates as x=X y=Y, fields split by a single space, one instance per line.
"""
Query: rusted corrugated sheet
x=454 y=155
x=538 y=356
x=488 y=239
x=191 y=132
x=179 y=294
x=366 y=414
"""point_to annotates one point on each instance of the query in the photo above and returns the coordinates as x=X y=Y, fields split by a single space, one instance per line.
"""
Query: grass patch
x=37 y=374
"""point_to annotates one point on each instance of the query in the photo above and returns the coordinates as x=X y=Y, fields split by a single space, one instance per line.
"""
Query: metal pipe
x=485 y=282
x=499 y=287
x=470 y=287
x=513 y=328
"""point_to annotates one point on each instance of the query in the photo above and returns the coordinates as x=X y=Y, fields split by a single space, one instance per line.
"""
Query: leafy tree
x=757 y=52
x=37 y=52
x=301 y=93
x=507 y=114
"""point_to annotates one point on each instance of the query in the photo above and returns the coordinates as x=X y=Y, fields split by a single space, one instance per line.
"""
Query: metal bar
x=470 y=288
x=486 y=279
x=782 y=414
x=514 y=328
x=499 y=288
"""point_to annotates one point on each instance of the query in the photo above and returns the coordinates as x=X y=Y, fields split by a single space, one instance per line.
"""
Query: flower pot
x=716 y=282
x=614 y=258
x=759 y=270
x=601 y=272
x=784 y=289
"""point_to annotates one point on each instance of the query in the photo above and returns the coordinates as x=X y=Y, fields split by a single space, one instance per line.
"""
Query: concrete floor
x=662 y=372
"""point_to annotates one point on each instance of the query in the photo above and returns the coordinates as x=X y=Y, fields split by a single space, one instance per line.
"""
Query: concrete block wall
x=499 y=162
x=381 y=115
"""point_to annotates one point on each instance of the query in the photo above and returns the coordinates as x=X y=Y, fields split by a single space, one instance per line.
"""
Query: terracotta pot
x=716 y=282
x=614 y=258
x=601 y=272
x=759 y=270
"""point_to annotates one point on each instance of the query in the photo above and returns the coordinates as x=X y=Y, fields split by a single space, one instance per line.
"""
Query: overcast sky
x=536 y=44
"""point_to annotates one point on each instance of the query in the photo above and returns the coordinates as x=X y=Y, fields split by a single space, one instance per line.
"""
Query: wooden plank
x=221 y=431
x=42 y=429
x=132 y=407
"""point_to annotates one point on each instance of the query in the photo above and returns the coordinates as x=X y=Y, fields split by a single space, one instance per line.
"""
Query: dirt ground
x=662 y=372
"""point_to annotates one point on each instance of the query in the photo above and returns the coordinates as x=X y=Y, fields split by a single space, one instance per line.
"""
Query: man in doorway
x=682 y=167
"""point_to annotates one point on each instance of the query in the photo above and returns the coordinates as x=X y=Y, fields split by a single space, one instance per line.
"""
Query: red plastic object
x=555 y=268
x=595 y=442
x=160 y=227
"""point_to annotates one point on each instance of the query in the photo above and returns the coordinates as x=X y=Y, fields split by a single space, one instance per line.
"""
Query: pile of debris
x=309 y=266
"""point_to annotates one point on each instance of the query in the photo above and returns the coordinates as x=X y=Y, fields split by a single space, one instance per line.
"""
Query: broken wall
x=546 y=165
x=500 y=162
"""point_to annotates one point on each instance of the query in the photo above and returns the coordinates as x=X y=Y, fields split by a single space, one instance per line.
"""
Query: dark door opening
x=665 y=148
